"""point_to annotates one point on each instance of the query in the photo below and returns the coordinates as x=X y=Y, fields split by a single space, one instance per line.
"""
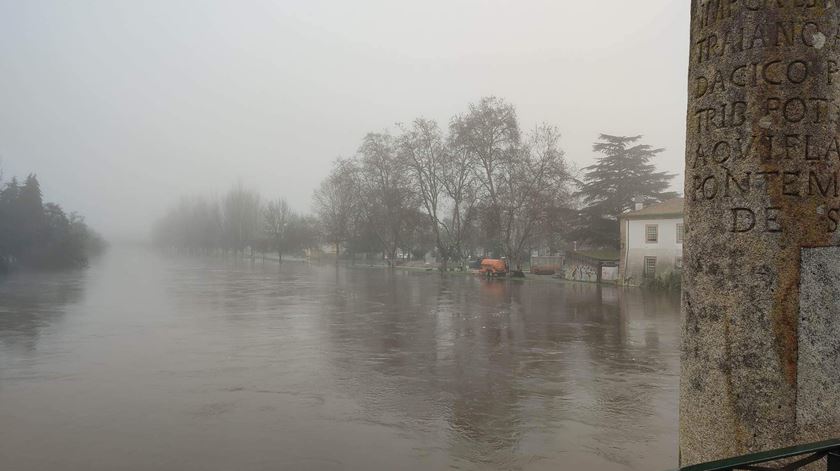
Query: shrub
x=670 y=282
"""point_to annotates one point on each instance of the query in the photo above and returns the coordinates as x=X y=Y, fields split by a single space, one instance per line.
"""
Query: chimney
x=638 y=203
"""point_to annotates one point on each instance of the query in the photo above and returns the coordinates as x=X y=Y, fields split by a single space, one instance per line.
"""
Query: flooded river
x=144 y=362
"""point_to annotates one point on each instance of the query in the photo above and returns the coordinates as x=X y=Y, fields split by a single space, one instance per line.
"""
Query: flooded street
x=145 y=362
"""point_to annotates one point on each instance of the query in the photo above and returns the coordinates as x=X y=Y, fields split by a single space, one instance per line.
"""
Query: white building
x=651 y=241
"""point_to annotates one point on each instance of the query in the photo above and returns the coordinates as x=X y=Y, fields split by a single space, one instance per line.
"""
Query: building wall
x=635 y=248
x=609 y=273
x=580 y=271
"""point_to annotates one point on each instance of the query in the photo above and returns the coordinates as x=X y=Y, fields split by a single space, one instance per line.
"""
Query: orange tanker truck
x=493 y=267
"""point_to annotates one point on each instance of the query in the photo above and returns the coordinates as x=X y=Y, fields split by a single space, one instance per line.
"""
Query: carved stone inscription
x=764 y=112
x=762 y=184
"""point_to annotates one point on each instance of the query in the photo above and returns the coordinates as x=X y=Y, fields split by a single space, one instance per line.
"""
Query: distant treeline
x=240 y=220
x=480 y=187
x=41 y=235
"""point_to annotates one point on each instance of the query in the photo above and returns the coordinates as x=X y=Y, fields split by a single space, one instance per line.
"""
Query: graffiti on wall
x=581 y=272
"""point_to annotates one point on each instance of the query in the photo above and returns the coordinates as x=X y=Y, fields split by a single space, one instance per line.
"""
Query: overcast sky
x=121 y=107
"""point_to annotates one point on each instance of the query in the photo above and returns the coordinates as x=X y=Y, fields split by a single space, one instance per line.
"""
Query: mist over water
x=153 y=362
x=422 y=135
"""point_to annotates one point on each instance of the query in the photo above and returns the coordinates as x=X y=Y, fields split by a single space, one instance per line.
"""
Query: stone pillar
x=761 y=300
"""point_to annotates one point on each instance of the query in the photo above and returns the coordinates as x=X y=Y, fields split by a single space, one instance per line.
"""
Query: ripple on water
x=218 y=364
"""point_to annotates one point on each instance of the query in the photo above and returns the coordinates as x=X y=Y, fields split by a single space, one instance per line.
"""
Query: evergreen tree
x=623 y=173
x=30 y=196
x=5 y=219
x=40 y=235
x=30 y=212
x=9 y=221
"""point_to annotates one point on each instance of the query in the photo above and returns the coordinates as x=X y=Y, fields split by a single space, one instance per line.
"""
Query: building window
x=679 y=263
x=680 y=233
x=650 y=267
x=651 y=233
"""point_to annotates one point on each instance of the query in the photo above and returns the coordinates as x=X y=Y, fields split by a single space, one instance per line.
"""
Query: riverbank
x=528 y=277
x=661 y=286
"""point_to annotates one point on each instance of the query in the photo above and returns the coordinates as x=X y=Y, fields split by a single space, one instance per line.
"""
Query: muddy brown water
x=146 y=362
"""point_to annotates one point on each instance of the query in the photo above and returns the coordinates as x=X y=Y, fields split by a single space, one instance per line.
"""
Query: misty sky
x=121 y=107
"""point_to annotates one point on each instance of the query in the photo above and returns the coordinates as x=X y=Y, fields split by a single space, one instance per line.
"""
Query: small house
x=651 y=241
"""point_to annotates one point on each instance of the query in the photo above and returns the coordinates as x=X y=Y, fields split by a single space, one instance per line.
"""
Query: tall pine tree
x=622 y=173
x=39 y=235
x=10 y=217
x=30 y=214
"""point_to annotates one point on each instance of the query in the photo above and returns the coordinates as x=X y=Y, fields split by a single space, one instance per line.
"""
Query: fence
x=783 y=459
x=546 y=264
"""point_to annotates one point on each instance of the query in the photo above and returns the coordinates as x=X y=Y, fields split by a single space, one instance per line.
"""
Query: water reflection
x=240 y=364
x=32 y=301
x=507 y=364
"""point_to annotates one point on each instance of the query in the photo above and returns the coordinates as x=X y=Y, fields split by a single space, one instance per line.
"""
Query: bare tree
x=423 y=149
x=301 y=233
x=337 y=204
x=423 y=186
x=241 y=213
x=460 y=186
x=489 y=135
x=276 y=216
x=531 y=186
x=388 y=195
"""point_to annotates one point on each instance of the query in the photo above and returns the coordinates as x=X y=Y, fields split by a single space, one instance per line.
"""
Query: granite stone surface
x=761 y=187
x=817 y=404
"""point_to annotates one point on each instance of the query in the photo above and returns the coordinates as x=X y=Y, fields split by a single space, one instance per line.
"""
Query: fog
x=122 y=107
